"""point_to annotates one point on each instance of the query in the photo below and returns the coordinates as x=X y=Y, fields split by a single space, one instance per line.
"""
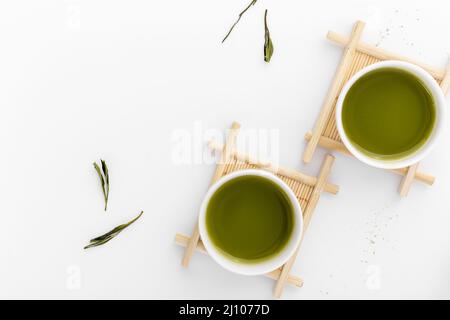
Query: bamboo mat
x=358 y=55
x=307 y=189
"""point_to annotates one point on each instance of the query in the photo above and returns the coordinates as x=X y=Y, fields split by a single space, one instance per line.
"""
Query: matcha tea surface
x=250 y=219
x=388 y=113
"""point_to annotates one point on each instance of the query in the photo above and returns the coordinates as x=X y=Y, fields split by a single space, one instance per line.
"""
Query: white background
x=80 y=80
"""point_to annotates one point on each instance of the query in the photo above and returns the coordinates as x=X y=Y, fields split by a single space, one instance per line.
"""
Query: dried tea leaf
x=106 y=174
x=111 y=234
x=98 y=243
x=103 y=174
x=268 y=45
x=239 y=18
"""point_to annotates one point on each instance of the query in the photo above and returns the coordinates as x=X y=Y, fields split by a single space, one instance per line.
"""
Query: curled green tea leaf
x=111 y=234
x=239 y=18
x=268 y=45
x=103 y=174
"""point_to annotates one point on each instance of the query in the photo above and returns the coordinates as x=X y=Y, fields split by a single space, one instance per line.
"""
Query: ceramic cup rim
x=440 y=105
x=257 y=268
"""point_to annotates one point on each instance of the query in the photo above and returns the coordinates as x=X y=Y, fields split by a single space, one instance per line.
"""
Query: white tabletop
x=125 y=81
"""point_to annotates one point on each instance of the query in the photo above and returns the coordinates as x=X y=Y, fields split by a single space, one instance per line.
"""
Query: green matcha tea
x=250 y=219
x=388 y=114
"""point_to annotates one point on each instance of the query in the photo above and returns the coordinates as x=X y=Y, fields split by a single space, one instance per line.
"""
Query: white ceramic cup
x=271 y=263
x=440 y=105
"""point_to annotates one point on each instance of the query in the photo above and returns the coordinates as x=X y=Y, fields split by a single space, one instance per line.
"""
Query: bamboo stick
x=340 y=147
x=383 y=54
x=229 y=145
x=407 y=181
x=329 y=144
x=420 y=176
x=334 y=91
x=307 y=215
x=183 y=240
x=266 y=165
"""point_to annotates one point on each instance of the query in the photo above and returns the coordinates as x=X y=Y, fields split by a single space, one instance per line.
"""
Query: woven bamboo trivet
x=308 y=190
x=356 y=56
